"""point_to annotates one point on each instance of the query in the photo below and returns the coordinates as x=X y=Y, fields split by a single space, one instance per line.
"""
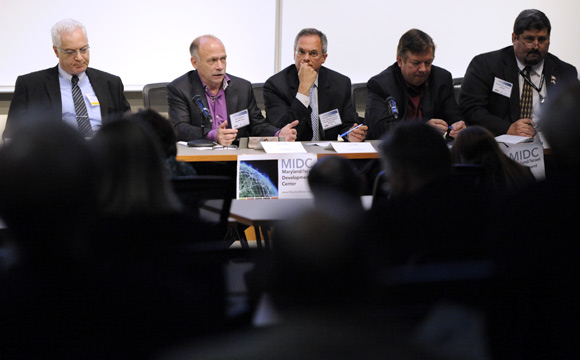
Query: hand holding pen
x=355 y=134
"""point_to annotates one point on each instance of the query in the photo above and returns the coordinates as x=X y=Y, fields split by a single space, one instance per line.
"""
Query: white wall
x=151 y=45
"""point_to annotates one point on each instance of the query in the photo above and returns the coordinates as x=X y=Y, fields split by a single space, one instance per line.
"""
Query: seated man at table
x=420 y=90
x=226 y=95
x=51 y=95
x=503 y=90
x=317 y=96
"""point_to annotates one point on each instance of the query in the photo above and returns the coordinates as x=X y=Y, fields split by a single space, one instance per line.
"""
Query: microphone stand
x=203 y=142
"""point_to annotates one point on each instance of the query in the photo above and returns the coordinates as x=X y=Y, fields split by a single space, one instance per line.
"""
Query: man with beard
x=504 y=90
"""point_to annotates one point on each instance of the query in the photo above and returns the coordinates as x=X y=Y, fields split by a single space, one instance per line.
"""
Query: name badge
x=502 y=87
x=330 y=119
x=240 y=119
x=93 y=100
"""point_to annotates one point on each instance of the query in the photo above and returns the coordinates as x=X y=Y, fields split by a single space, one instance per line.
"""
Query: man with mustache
x=226 y=96
x=504 y=90
x=48 y=95
x=421 y=90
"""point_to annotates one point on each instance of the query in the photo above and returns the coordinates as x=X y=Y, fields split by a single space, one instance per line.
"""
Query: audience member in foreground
x=166 y=133
x=536 y=315
x=477 y=146
x=420 y=90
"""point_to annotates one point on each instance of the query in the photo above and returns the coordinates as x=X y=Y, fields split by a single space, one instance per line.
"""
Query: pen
x=533 y=128
x=351 y=130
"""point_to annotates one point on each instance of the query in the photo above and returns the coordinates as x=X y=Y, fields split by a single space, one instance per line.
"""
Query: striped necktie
x=526 y=105
x=314 y=115
x=81 y=109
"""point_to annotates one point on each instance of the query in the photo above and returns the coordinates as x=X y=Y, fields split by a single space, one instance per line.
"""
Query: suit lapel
x=52 y=88
x=511 y=75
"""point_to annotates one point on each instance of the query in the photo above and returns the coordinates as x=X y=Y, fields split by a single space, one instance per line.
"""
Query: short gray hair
x=313 y=31
x=65 y=26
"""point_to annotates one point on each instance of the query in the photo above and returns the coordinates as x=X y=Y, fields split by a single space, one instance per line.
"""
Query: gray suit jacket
x=37 y=98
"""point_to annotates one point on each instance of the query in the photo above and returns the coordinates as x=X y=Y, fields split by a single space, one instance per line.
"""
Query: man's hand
x=226 y=136
x=359 y=134
x=288 y=131
x=456 y=128
x=440 y=125
x=306 y=76
x=523 y=127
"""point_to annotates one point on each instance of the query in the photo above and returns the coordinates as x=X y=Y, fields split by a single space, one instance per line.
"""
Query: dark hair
x=477 y=145
x=312 y=31
x=162 y=128
x=560 y=124
x=335 y=175
x=414 y=41
x=134 y=179
x=531 y=19
x=419 y=149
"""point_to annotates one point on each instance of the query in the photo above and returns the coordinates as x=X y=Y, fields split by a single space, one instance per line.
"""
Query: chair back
x=259 y=95
x=195 y=191
x=359 y=99
x=457 y=87
x=155 y=97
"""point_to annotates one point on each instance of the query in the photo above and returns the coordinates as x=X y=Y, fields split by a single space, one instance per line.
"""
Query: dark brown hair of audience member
x=560 y=124
x=48 y=190
x=162 y=127
x=133 y=181
x=414 y=154
x=335 y=177
x=477 y=146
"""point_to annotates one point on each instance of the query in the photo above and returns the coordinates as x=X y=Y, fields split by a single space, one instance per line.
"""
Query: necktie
x=314 y=115
x=81 y=109
x=526 y=106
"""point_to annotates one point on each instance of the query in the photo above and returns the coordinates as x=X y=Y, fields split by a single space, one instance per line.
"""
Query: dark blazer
x=481 y=106
x=438 y=101
x=37 y=98
x=334 y=92
x=239 y=96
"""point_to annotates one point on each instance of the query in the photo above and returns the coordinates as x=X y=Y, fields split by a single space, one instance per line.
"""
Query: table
x=263 y=214
x=191 y=154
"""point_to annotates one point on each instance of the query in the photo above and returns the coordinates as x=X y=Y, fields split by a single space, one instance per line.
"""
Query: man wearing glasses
x=504 y=90
x=319 y=98
x=71 y=92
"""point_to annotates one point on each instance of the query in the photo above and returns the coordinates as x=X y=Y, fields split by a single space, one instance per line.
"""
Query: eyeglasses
x=530 y=41
x=82 y=51
x=313 y=53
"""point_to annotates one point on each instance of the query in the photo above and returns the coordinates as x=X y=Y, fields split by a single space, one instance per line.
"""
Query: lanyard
x=529 y=81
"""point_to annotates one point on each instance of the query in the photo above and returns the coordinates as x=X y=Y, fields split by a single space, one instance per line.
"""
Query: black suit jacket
x=186 y=117
x=334 y=92
x=37 y=98
x=438 y=101
x=481 y=106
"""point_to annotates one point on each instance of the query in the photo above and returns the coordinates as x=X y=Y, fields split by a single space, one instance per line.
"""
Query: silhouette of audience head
x=48 y=190
x=335 y=177
x=414 y=154
x=477 y=146
x=161 y=127
x=560 y=124
x=133 y=176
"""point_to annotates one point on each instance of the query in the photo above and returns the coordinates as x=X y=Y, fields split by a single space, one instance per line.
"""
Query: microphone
x=393 y=107
x=201 y=107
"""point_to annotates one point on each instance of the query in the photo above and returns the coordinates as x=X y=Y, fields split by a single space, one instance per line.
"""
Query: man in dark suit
x=226 y=95
x=421 y=91
x=495 y=82
x=319 y=98
x=47 y=95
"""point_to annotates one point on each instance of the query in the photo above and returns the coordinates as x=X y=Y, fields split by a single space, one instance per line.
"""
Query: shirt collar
x=538 y=68
x=68 y=77
x=225 y=83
